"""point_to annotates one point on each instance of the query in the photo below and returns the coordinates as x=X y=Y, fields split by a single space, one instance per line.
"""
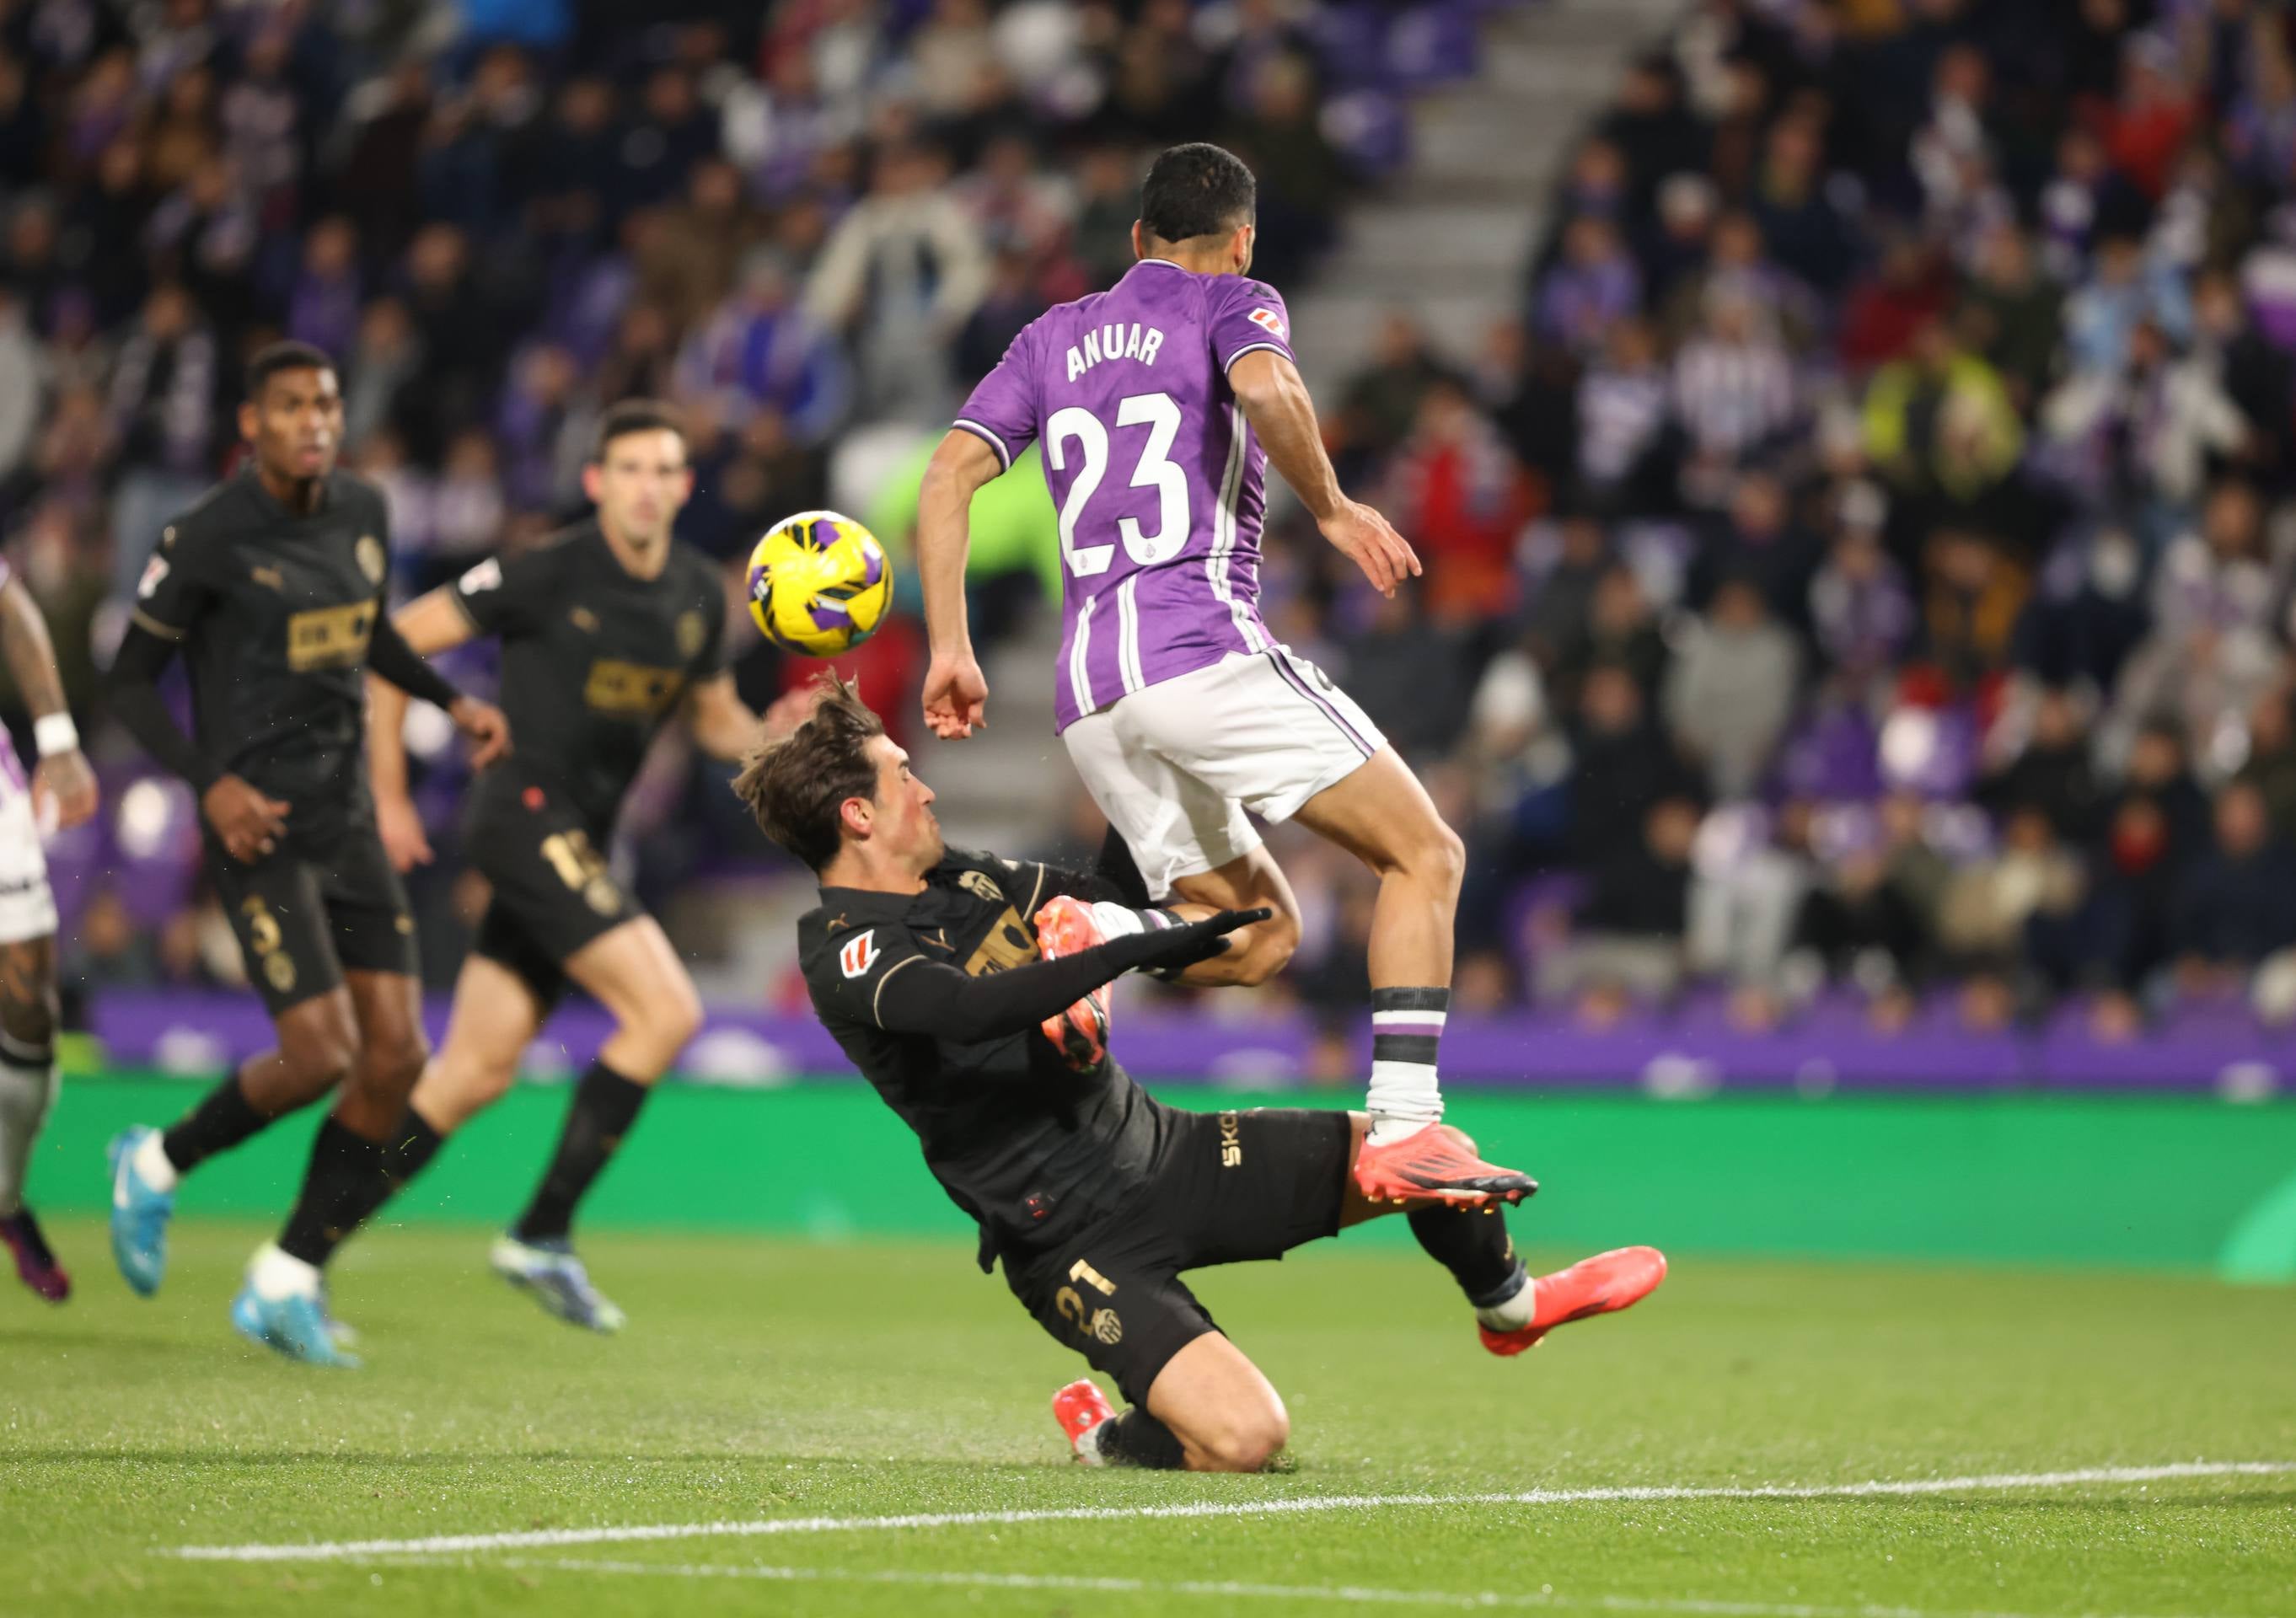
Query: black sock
x=344 y=1183
x=223 y=1119
x=410 y=1147
x=605 y=1106
x=1138 y=1439
x=1474 y=1246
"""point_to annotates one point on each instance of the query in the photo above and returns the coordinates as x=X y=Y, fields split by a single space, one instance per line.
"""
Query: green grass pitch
x=801 y=1392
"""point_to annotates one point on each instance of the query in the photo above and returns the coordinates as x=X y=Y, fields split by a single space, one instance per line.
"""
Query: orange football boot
x=1080 y=1408
x=1435 y=1163
x=1609 y=1281
x=1079 y=1034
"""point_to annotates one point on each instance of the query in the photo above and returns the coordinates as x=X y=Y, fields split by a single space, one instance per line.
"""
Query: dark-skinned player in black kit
x=273 y=589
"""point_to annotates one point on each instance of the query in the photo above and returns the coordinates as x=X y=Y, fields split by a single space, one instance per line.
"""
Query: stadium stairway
x=1450 y=237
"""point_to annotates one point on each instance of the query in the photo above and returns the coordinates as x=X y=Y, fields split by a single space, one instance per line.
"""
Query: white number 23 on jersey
x=1077 y=426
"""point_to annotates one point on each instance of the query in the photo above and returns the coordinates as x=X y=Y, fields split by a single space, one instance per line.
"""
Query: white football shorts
x=28 y=909
x=1174 y=767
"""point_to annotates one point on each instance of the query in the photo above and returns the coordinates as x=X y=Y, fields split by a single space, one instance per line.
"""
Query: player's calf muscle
x=27 y=992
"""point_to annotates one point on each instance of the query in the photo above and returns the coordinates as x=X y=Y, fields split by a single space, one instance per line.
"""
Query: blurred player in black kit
x=274 y=589
x=926 y=964
x=608 y=630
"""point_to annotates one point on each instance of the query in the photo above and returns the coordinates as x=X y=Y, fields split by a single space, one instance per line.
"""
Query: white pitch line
x=1226 y=1589
x=542 y=1538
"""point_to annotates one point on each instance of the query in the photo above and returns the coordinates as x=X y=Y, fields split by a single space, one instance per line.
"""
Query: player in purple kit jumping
x=1161 y=403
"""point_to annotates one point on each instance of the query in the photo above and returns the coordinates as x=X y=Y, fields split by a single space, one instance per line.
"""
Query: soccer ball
x=819 y=584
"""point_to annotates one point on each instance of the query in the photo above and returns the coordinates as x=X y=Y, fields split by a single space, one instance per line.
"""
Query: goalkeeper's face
x=901 y=823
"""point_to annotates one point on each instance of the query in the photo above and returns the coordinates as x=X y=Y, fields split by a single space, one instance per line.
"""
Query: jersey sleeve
x=174 y=592
x=1245 y=316
x=511 y=595
x=851 y=970
x=1002 y=411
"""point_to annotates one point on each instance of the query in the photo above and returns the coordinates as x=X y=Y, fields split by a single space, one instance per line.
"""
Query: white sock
x=1118 y=920
x=277 y=1275
x=1087 y=1448
x=1517 y=1312
x=1406 y=1028
x=151 y=1165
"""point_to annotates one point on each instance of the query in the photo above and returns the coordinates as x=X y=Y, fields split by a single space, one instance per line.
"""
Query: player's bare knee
x=1246 y=1442
x=666 y=1020
x=1441 y=862
x=323 y=1051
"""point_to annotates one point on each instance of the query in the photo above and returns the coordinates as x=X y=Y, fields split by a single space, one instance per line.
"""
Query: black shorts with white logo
x=1226 y=1188
x=552 y=891
x=304 y=918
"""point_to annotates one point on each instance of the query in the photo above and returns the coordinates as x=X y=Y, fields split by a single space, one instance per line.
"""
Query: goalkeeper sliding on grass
x=926 y=963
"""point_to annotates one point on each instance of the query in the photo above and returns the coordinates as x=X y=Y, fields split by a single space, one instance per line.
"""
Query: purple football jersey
x=1153 y=469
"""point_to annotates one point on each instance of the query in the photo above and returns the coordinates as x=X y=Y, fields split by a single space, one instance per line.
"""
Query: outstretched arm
x=1275 y=402
x=62 y=776
x=423 y=628
x=956 y=695
x=916 y=995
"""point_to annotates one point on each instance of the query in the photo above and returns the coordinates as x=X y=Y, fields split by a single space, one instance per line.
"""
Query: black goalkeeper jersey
x=594 y=659
x=273 y=610
x=1028 y=1148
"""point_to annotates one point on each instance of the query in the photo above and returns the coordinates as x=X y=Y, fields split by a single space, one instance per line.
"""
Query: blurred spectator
x=1456 y=489
x=1626 y=944
x=902 y=272
x=759 y=350
x=1733 y=387
x=2236 y=907
x=1731 y=694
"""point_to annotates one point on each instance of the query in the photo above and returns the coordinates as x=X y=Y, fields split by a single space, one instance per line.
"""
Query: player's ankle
x=1512 y=1306
x=151 y=1165
x=1388 y=1128
x=277 y=1274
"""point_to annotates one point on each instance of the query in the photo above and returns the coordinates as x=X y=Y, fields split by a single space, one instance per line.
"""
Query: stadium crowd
x=1886 y=494
x=503 y=215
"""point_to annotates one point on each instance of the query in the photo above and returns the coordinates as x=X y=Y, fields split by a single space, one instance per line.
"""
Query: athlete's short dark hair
x=1197 y=190
x=634 y=416
x=796 y=787
x=273 y=358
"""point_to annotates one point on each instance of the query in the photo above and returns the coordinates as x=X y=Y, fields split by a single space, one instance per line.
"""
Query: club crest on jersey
x=859 y=953
x=981 y=886
x=371 y=560
x=691 y=632
x=1267 y=321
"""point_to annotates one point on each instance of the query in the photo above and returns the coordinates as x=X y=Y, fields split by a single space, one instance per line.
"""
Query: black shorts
x=1228 y=1187
x=305 y=917
x=552 y=891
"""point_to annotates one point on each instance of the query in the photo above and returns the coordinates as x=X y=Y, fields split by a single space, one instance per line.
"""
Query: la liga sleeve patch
x=859 y=953
x=1269 y=321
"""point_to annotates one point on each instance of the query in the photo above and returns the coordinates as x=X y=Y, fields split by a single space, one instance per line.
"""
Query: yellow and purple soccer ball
x=819 y=584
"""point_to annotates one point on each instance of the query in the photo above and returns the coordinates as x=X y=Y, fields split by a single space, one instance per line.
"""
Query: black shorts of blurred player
x=328 y=941
x=557 y=917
